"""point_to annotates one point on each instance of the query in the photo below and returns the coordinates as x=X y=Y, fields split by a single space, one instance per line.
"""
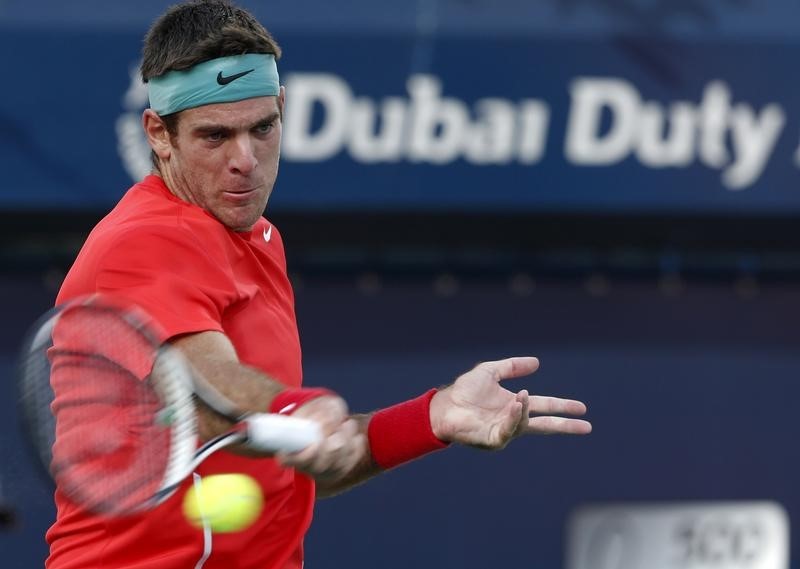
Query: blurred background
x=609 y=185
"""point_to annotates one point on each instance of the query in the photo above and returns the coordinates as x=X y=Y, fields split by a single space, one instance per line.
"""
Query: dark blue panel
x=23 y=485
x=63 y=144
x=692 y=397
x=685 y=18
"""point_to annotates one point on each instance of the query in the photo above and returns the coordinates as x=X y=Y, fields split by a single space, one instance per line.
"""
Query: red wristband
x=288 y=400
x=403 y=432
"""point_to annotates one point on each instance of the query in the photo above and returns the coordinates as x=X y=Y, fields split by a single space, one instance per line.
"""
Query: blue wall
x=518 y=108
x=692 y=397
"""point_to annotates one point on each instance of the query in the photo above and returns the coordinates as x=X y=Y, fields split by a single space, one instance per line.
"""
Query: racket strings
x=35 y=398
x=111 y=435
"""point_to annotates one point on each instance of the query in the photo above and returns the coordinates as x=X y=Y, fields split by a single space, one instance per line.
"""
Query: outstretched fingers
x=543 y=405
x=558 y=426
x=545 y=423
x=476 y=411
x=512 y=367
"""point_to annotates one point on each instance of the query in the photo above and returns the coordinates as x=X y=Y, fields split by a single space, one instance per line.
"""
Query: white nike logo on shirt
x=268 y=234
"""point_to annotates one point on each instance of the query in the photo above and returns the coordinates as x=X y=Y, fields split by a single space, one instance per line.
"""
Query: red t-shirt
x=193 y=274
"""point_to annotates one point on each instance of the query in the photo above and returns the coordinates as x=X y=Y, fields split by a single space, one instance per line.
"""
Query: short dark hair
x=197 y=31
x=201 y=30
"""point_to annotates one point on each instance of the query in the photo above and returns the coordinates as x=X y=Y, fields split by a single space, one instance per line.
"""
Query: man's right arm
x=213 y=356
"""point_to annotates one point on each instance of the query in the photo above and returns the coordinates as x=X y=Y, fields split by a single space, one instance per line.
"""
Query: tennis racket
x=111 y=410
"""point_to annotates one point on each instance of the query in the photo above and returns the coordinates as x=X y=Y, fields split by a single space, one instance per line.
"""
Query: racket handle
x=280 y=433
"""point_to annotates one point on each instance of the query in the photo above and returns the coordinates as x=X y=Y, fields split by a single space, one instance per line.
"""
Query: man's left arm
x=473 y=411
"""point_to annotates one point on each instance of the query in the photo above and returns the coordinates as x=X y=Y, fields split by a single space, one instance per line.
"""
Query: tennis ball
x=226 y=502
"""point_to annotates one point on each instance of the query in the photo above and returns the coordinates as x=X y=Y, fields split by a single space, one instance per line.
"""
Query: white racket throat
x=178 y=412
x=280 y=433
x=259 y=431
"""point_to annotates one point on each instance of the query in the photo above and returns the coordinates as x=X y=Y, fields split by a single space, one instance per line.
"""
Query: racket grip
x=280 y=433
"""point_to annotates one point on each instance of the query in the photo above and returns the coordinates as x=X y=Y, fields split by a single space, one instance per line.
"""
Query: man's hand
x=342 y=445
x=477 y=411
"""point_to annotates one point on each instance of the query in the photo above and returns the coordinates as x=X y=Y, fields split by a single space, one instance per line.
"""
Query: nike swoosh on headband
x=231 y=78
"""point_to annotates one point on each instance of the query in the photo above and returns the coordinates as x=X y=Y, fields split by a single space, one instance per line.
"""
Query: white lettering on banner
x=425 y=128
x=584 y=143
x=132 y=145
x=491 y=140
x=754 y=139
x=679 y=535
x=671 y=136
x=713 y=123
x=385 y=146
x=534 y=117
x=334 y=95
x=608 y=122
x=438 y=125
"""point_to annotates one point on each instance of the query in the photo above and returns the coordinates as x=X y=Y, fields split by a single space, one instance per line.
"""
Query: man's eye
x=215 y=136
x=264 y=127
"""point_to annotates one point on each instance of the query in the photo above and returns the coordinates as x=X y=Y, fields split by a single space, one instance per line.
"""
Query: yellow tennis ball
x=225 y=502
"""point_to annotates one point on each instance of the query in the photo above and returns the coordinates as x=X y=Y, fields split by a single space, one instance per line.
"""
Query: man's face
x=224 y=158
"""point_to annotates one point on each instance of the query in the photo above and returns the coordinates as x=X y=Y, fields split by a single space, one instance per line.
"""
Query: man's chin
x=238 y=223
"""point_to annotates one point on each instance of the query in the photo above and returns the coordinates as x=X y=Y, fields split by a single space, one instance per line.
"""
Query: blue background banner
x=440 y=123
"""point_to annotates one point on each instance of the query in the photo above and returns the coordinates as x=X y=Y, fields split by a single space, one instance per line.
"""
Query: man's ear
x=157 y=134
x=281 y=100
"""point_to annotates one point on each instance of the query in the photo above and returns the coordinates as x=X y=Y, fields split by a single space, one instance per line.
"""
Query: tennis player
x=189 y=245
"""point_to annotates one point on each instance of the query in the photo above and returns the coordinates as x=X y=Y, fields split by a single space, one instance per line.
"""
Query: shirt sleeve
x=170 y=274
